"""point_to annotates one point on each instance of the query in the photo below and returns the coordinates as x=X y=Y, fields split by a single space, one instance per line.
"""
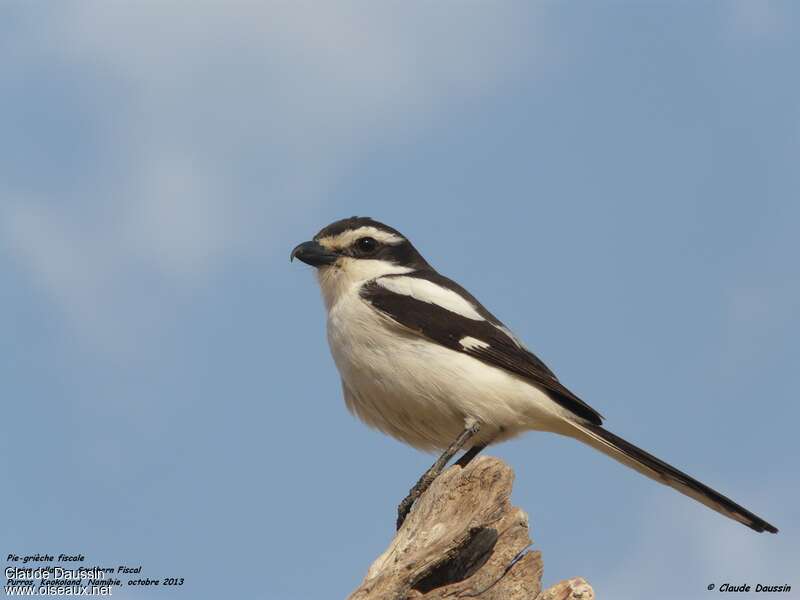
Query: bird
x=422 y=360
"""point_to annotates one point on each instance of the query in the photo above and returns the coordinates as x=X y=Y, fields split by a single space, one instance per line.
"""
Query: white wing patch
x=427 y=291
x=471 y=343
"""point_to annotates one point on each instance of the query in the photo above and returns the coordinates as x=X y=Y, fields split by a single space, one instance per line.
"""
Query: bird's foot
x=436 y=468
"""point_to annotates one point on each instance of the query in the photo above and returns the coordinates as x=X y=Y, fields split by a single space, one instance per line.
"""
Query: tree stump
x=463 y=539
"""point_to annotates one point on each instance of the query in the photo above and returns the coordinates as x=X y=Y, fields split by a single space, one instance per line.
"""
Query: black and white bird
x=423 y=361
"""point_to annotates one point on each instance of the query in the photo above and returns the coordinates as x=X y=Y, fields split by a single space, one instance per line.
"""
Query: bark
x=463 y=539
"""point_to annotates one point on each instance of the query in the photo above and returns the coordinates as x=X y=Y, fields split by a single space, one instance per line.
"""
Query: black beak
x=313 y=254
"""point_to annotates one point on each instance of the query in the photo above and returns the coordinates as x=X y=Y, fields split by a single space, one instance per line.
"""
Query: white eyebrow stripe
x=470 y=343
x=346 y=238
x=427 y=291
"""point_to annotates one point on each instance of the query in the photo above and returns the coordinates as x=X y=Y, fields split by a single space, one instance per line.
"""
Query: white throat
x=340 y=278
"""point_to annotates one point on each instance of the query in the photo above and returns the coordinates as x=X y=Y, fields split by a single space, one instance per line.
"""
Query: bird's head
x=351 y=251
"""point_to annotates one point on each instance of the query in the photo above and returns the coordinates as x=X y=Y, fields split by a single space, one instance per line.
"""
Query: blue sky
x=617 y=181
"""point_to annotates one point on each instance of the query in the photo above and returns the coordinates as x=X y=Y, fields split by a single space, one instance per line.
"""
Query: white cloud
x=179 y=220
x=703 y=548
x=58 y=259
x=222 y=119
x=756 y=20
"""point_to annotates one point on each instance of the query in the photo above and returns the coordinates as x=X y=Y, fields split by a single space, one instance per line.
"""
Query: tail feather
x=656 y=469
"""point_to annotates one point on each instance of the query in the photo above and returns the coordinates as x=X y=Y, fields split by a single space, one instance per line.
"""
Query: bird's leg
x=469 y=455
x=436 y=468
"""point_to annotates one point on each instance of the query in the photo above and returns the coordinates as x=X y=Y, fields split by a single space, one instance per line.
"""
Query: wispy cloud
x=705 y=548
x=223 y=121
x=756 y=20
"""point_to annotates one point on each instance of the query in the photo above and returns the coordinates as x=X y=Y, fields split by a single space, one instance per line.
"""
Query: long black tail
x=656 y=469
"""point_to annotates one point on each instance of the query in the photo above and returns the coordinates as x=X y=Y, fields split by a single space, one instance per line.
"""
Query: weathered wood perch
x=463 y=539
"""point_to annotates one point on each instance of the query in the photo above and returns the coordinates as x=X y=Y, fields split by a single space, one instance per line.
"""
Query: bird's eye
x=366 y=244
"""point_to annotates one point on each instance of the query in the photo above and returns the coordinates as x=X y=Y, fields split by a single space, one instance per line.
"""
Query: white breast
x=420 y=392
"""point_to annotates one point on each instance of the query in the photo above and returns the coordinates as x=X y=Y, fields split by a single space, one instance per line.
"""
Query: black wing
x=448 y=329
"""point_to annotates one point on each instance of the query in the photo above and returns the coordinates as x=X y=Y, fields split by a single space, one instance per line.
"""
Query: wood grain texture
x=464 y=539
